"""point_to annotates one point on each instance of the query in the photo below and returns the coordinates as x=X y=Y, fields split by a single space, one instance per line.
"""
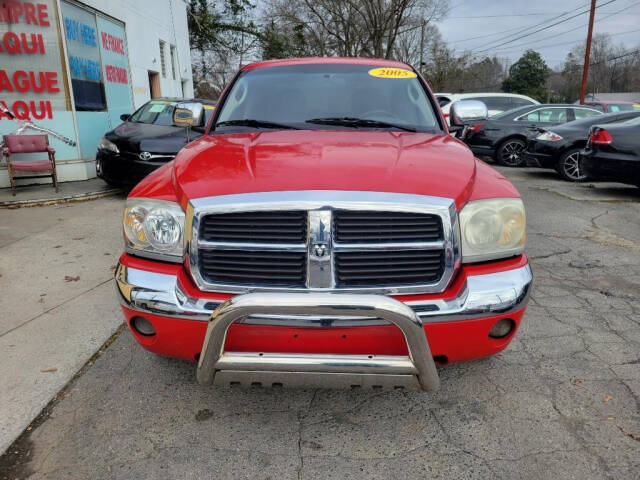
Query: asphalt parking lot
x=563 y=401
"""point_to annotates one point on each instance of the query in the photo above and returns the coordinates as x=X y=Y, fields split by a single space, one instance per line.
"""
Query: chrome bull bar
x=415 y=371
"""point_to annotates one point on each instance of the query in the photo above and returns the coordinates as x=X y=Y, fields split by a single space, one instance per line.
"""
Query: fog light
x=143 y=326
x=502 y=328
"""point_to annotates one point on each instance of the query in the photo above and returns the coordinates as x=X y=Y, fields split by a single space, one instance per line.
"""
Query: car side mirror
x=188 y=114
x=125 y=116
x=465 y=112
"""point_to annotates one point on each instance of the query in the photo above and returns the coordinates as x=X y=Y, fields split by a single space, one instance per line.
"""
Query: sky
x=500 y=21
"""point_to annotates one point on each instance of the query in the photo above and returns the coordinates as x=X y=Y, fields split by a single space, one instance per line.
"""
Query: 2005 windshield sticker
x=386 y=72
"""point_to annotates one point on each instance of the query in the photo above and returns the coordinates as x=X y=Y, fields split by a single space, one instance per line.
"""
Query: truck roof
x=378 y=62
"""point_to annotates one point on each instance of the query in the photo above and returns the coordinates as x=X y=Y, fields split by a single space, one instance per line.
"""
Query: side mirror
x=188 y=114
x=125 y=116
x=464 y=112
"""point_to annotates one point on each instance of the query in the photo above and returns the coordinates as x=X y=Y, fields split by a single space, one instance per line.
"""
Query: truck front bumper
x=326 y=339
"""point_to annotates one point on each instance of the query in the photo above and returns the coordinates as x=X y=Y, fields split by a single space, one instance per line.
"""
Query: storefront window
x=97 y=55
x=81 y=35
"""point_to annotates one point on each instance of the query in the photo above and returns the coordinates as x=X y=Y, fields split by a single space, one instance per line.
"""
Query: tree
x=528 y=76
x=275 y=43
x=221 y=33
x=572 y=75
x=350 y=28
x=613 y=68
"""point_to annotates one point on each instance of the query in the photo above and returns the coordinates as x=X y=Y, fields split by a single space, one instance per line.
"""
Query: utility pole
x=587 y=54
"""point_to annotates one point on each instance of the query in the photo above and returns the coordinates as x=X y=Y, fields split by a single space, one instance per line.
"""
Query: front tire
x=570 y=166
x=511 y=153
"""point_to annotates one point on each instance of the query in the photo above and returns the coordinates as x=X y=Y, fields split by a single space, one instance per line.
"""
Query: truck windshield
x=327 y=96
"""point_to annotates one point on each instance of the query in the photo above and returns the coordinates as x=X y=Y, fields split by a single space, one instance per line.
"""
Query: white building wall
x=146 y=23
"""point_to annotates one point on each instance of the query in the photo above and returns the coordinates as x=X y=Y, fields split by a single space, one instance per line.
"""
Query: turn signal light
x=477 y=127
x=601 y=137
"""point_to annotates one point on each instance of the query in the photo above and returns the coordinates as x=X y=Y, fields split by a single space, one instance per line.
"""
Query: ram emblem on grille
x=320 y=249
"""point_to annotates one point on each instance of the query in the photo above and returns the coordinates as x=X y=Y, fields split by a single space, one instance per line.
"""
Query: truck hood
x=384 y=161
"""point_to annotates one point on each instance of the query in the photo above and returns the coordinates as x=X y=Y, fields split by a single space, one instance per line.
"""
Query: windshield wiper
x=249 y=122
x=358 y=122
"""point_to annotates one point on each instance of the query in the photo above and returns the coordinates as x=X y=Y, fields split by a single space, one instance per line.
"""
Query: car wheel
x=570 y=166
x=511 y=153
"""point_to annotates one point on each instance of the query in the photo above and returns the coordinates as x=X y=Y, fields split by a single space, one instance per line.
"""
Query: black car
x=504 y=136
x=613 y=152
x=145 y=140
x=559 y=147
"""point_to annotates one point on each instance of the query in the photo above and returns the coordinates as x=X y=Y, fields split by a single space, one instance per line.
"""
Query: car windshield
x=156 y=112
x=623 y=107
x=327 y=96
x=510 y=112
x=160 y=112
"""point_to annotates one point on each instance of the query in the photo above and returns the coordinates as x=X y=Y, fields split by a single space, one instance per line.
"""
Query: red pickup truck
x=325 y=231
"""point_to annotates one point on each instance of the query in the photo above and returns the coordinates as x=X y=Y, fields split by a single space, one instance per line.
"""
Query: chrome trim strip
x=319 y=204
x=152 y=156
x=213 y=358
x=291 y=247
x=482 y=296
x=348 y=247
x=314 y=199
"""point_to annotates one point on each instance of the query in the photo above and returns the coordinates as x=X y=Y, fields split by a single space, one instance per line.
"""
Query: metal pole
x=587 y=54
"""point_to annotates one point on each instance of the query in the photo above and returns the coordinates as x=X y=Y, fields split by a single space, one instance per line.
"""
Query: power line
x=572 y=41
x=505 y=15
x=599 y=21
x=615 y=58
x=541 y=29
x=454 y=6
x=514 y=15
x=610 y=59
x=535 y=25
x=520 y=28
x=487 y=35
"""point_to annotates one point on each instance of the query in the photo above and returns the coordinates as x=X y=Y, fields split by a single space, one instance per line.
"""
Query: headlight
x=491 y=229
x=105 y=144
x=549 y=137
x=154 y=228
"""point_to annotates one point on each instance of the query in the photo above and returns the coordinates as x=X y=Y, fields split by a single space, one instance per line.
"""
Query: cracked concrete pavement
x=57 y=300
x=563 y=401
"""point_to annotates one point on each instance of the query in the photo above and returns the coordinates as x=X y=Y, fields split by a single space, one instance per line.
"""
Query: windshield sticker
x=386 y=72
x=209 y=107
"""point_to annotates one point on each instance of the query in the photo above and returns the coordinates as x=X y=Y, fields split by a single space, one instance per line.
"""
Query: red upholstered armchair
x=38 y=168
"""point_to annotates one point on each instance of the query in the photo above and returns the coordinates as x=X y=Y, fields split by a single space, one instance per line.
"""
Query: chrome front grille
x=263 y=227
x=254 y=267
x=323 y=240
x=388 y=267
x=357 y=226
